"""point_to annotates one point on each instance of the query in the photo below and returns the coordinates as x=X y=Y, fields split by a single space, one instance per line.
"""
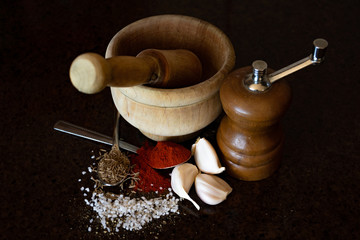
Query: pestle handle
x=91 y=73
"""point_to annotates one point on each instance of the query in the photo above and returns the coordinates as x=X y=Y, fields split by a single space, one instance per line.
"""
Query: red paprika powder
x=168 y=154
x=151 y=180
x=164 y=154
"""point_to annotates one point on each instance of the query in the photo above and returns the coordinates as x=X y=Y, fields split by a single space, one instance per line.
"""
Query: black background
x=314 y=194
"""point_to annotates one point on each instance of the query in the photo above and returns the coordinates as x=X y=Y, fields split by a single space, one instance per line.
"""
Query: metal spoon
x=92 y=135
x=116 y=145
x=78 y=131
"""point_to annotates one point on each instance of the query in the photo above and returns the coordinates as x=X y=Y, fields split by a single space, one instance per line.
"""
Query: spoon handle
x=78 y=131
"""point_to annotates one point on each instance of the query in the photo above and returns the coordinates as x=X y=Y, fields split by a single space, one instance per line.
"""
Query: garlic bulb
x=205 y=157
x=211 y=189
x=182 y=178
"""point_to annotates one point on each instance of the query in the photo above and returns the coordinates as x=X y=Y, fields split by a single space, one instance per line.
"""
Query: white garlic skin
x=211 y=189
x=206 y=157
x=182 y=178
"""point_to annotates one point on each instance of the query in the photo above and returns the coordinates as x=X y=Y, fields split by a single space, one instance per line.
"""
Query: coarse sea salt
x=131 y=213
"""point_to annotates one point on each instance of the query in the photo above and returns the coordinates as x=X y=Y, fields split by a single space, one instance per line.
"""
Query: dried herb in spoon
x=113 y=167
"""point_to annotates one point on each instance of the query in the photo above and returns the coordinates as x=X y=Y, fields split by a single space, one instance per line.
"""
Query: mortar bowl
x=173 y=114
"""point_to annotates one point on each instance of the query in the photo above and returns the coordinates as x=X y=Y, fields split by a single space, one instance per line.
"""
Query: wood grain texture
x=173 y=113
x=173 y=68
x=91 y=73
x=249 y=136
x=165 y=123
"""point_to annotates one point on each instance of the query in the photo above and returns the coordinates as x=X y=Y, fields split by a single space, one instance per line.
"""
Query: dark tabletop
x=314 y=194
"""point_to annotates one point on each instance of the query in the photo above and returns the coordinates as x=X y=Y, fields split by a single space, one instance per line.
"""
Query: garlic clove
x=206 y=157
x=182 y=178
x=211 y=189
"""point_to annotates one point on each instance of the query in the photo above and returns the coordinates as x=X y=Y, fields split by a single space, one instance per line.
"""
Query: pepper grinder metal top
x=260 y=81
x=250 y=137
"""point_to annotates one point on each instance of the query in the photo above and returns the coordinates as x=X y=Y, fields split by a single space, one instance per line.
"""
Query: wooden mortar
x=173 y=114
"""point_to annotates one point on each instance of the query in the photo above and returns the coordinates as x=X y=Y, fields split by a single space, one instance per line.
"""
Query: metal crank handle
x=316 y=57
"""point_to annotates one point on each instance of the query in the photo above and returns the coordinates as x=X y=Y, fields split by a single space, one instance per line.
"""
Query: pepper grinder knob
x=258 y=81
x=320 y=46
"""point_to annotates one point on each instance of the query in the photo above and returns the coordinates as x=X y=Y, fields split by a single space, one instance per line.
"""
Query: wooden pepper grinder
x=250 y=137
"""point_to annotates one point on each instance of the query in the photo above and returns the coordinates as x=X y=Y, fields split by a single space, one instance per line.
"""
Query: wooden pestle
x=90 y=72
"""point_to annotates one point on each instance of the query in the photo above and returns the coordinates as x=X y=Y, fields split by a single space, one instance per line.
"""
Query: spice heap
x=124 y=210
x=163 y=155
x=114 y=166
x=168 y=154
x=119 y=211
x=150 y=180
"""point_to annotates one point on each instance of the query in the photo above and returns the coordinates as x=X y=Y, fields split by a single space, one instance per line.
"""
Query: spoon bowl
x=171 y=166
x=167 y=155
x=79 y=131
x=114 y=163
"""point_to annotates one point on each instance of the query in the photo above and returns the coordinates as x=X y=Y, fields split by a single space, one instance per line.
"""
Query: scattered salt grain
x=115 y=212
x=131 y=213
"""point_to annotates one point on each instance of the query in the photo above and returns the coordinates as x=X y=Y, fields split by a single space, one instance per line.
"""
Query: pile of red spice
x=151 y=180
x=167 y=154
x=163 y=155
